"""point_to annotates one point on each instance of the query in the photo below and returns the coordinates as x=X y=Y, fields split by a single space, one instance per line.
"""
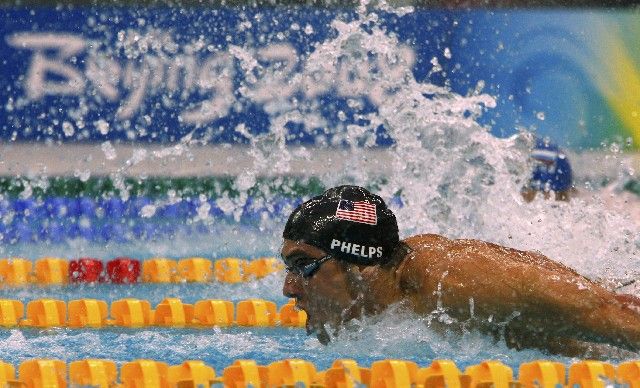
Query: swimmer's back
x=464 y=269
x=434 y=249
x=456 y=272
x=469 y=277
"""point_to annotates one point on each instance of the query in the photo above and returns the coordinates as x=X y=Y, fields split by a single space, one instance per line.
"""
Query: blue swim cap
x=552 y=170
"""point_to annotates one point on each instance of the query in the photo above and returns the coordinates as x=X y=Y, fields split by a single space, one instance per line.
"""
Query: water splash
x=454 y=177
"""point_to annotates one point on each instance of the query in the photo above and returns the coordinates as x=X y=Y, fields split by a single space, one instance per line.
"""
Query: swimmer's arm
x=629 y=301
x=492 y=282
x=574 y=314
x=565 y=304
x=583 y=309
x=568 y=347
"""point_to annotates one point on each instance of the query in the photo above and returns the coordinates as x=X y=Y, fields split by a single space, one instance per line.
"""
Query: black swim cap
x=347 y=221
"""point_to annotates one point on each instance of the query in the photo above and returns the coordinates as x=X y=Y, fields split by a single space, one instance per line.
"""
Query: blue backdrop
x=156 y=75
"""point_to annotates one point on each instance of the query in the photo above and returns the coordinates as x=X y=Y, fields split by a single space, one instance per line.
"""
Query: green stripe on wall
x=211 y=187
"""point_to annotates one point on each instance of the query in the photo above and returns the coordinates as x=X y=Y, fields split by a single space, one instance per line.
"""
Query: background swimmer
x=522 y=296
x=551 y=172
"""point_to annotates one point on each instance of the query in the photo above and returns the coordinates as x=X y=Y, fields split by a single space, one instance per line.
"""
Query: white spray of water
x=454 y=177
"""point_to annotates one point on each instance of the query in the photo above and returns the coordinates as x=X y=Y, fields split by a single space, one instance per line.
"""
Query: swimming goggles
x=308 y=270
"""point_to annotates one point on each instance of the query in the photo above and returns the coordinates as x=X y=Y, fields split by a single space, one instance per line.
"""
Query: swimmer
x=345 y=260
x=551 y=173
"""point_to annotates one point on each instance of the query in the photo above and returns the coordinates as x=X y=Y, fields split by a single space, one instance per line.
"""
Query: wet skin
x=539 y=302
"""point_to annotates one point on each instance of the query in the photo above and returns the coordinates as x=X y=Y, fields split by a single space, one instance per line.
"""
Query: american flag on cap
x=357 y=211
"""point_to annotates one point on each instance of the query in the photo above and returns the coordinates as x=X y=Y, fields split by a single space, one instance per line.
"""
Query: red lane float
x=123 y=270
x=85 y=270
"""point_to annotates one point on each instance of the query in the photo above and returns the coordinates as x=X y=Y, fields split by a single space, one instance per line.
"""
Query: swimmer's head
x=546 y=151
x=348 y=222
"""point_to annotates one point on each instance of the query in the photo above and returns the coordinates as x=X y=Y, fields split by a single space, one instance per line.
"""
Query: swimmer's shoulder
x=421 y=267
x=431 y=243
x=422 y=253
x=426 y=241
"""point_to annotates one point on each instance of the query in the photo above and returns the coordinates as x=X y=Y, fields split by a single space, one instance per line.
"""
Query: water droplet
x=68 y=129
x=148 y=211
x=614 y=148
x=108 y=150
x=83 y=175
